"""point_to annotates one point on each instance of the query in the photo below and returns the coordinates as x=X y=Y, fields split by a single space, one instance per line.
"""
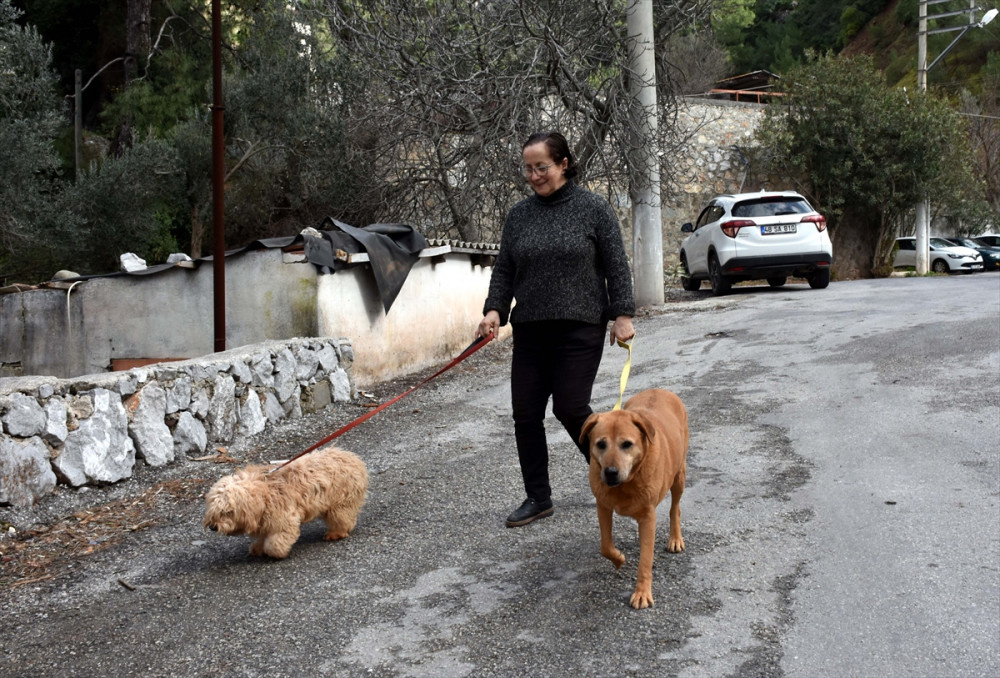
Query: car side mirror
x=687 y=228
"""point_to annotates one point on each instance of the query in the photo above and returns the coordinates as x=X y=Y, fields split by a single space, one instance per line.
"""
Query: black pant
x=557 y=358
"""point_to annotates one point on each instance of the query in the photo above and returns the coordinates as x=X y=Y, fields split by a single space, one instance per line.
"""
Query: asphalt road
x=842 y=518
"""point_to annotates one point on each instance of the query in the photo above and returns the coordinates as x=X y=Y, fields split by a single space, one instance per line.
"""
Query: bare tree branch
x=452 y=87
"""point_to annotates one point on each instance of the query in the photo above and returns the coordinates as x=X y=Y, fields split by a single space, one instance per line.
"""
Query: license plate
x=773 y=229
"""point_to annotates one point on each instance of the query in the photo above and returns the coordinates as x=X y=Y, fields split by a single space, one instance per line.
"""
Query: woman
x=562 y=259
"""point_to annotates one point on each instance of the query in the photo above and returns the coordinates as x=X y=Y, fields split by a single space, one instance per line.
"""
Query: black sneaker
x=528 y=511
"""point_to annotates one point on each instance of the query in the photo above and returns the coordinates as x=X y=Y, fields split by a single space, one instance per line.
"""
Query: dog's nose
x=611 y=476
x=213 y=528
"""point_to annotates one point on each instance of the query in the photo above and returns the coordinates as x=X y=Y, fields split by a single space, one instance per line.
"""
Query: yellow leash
x=625 y=371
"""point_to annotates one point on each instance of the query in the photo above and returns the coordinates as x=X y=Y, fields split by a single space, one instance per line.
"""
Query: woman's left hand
x=622 y=329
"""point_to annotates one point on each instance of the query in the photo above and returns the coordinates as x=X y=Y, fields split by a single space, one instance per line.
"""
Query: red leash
x=473 y=347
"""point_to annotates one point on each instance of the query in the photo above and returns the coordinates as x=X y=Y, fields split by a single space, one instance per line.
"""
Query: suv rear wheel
x=720 y=285
x=777 y=281
x=819 y=279
x=687 y=282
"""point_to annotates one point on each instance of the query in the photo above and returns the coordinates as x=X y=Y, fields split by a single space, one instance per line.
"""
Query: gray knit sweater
x=561 y=257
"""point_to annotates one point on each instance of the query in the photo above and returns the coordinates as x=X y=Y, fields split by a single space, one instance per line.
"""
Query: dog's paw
x=675 y=545
x=334 y=536
x=640 y=600
x=257 y=548
x=616 y=557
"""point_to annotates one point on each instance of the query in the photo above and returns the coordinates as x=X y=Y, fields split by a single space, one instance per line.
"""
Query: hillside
x=891 y=39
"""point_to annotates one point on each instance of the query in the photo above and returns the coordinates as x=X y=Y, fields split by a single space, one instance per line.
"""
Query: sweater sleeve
x=615 y=262
x=501 y=291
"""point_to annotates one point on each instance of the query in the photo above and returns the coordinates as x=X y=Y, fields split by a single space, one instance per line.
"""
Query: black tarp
x=392 y=250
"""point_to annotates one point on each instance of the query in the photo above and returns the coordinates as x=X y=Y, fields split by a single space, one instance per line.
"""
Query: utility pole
x=923 y=207
x=644 y=187
x=77 y=125
x=218 y=183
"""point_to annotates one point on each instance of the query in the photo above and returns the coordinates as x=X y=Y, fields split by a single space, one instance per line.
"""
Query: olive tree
x=29 y=121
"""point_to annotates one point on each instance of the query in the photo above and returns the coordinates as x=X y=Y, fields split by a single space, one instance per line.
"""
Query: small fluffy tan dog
x=637 y=455
x=329 y=483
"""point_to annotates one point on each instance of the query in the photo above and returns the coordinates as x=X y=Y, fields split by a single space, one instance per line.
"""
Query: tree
x=984 y=131
x=451 y=89
x=137 y=48
x=126 y=203
x=365 y=110
x=29 y=121
x=288 y=161
x=731 y=18
x=780 y=32
x=865 y=153
x=694 y=60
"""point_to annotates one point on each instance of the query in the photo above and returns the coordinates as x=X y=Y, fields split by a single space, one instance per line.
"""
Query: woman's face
x=546 y=176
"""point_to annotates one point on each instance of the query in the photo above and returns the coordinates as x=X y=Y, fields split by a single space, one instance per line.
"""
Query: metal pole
x=218 y=182
x=647 y=225
x=923 y=207
x=922 y=47
x=78 y=125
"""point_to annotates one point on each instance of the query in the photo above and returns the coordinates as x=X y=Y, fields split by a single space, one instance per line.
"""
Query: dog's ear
x=644 y=425
x=588 y=426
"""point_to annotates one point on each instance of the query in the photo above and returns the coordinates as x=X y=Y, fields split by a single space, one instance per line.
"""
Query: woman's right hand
x=489 y=323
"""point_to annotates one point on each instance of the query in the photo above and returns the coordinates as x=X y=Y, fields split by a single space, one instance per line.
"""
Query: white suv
x=945 y=257
x=756 y=236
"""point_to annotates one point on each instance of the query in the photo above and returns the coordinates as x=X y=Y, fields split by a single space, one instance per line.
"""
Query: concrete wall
x=269 y=295
x=170 y=314
x=433 y=318
x=34 y=332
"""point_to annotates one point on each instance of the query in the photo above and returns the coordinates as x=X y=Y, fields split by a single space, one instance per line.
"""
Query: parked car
x=990 y=240
x=756 y=236
x=990 y=255
x=944 y=257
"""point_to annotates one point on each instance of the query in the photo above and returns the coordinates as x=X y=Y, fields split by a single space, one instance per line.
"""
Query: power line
x=978 y=115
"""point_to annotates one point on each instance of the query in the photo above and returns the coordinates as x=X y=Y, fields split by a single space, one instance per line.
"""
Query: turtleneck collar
x=561 y=194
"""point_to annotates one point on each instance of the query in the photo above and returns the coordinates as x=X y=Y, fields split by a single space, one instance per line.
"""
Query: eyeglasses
x=540 y=171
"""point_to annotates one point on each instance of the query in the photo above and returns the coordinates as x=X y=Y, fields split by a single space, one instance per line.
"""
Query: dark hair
x=558 y=148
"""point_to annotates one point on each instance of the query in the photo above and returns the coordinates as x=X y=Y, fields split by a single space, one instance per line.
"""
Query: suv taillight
x=817 y=219
x=731 y=228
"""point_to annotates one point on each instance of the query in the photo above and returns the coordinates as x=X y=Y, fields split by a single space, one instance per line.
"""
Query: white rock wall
x=91 y=430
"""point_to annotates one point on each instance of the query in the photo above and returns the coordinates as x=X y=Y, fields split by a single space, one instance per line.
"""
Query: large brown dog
x=637 y=454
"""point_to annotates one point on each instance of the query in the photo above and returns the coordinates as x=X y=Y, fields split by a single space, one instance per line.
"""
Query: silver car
x=945 y=257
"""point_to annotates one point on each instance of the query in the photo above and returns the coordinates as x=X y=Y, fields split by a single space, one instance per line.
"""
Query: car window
x=771 y=207
x=703 y=217
x=711 y=213
x=907 y=244
x=941 y=242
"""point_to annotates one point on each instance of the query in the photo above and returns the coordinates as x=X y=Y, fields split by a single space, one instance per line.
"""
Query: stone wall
x=91 y=430
x=710 y=165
